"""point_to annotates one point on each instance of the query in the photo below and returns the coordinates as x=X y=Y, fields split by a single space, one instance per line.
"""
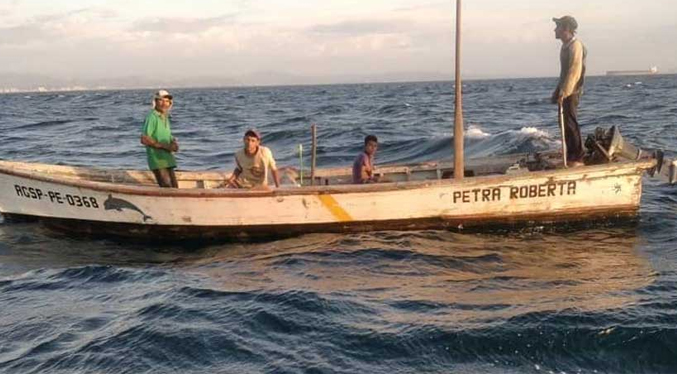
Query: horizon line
x=42 y=89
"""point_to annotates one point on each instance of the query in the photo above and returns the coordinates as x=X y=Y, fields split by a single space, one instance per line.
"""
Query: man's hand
x=555 y=98
x=231 y=182
x=173 y=146
x=150 y=142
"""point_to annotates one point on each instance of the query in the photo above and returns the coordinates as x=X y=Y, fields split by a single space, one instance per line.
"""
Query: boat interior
x=291 y=176
x=604 y=146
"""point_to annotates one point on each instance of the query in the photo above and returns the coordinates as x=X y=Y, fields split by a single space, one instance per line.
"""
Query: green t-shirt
x=157 y=127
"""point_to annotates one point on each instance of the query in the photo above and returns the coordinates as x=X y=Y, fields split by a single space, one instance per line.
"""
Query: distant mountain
x=277 y=78
x=34 y=82
x=10 y=82
x=30 y=81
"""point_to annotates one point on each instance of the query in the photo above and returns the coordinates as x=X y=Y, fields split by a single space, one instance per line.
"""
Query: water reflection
x=436 y=276
x=30 y=246
x=443 y=277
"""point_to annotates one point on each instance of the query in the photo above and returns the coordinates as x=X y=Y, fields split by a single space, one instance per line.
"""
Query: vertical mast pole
x=313 y=152
x=458 y=119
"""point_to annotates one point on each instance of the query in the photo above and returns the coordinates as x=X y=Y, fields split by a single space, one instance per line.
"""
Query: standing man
x=363 y=166
x=570 y=87
x=253 y=163
x=160 y=145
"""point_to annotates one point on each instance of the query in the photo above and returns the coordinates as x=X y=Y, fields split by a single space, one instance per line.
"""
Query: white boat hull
x=585 y=193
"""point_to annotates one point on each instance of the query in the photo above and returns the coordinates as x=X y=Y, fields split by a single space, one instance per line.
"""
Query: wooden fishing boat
x=499 y=191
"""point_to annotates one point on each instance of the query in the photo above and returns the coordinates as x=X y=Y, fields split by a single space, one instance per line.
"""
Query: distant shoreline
x=45 y=90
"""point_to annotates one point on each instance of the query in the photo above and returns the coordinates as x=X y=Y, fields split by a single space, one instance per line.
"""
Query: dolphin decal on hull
x=113 y=203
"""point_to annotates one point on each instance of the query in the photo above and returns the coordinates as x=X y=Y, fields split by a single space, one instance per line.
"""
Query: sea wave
x=597 y=298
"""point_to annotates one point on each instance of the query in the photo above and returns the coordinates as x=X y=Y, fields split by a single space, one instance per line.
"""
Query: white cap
x=161 y=94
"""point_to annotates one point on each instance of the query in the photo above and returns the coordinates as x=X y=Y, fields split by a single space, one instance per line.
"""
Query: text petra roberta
x=491 y=194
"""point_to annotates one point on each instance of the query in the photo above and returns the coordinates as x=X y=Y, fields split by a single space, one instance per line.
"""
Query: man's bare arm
x=276 y=177
x=150 y=142
x=366 y=173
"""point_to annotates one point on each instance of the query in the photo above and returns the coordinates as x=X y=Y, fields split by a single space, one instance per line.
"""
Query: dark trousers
x=166 y=177
x=572 y=131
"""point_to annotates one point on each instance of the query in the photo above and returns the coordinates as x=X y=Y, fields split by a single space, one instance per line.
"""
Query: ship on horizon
x=651 y=71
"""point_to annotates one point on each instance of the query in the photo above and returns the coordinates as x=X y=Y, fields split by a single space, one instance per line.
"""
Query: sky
x=325 y=38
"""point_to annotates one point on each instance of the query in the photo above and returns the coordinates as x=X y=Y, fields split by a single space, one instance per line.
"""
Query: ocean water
x=599 y=299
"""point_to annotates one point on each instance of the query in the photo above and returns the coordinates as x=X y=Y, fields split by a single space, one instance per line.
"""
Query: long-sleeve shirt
x=572 y=74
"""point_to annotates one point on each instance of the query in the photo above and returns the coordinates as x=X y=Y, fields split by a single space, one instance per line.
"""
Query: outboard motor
x=608 y=145
x=620 y=148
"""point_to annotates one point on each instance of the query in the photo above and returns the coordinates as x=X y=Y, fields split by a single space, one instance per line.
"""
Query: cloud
x=320 y=38
x=9 y=9
x=362 y=27
x=183 y=25
x=53 y=27
x=82 y=14
x=21 y=35
x=436 y=6
x=48 y=18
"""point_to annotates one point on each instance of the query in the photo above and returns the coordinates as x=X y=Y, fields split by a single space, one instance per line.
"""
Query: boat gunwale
x=638 y=166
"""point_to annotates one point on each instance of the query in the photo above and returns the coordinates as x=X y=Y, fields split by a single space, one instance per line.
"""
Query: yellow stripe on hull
x=336 y=210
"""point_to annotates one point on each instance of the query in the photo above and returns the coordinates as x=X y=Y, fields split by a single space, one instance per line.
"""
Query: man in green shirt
x=160 y=145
